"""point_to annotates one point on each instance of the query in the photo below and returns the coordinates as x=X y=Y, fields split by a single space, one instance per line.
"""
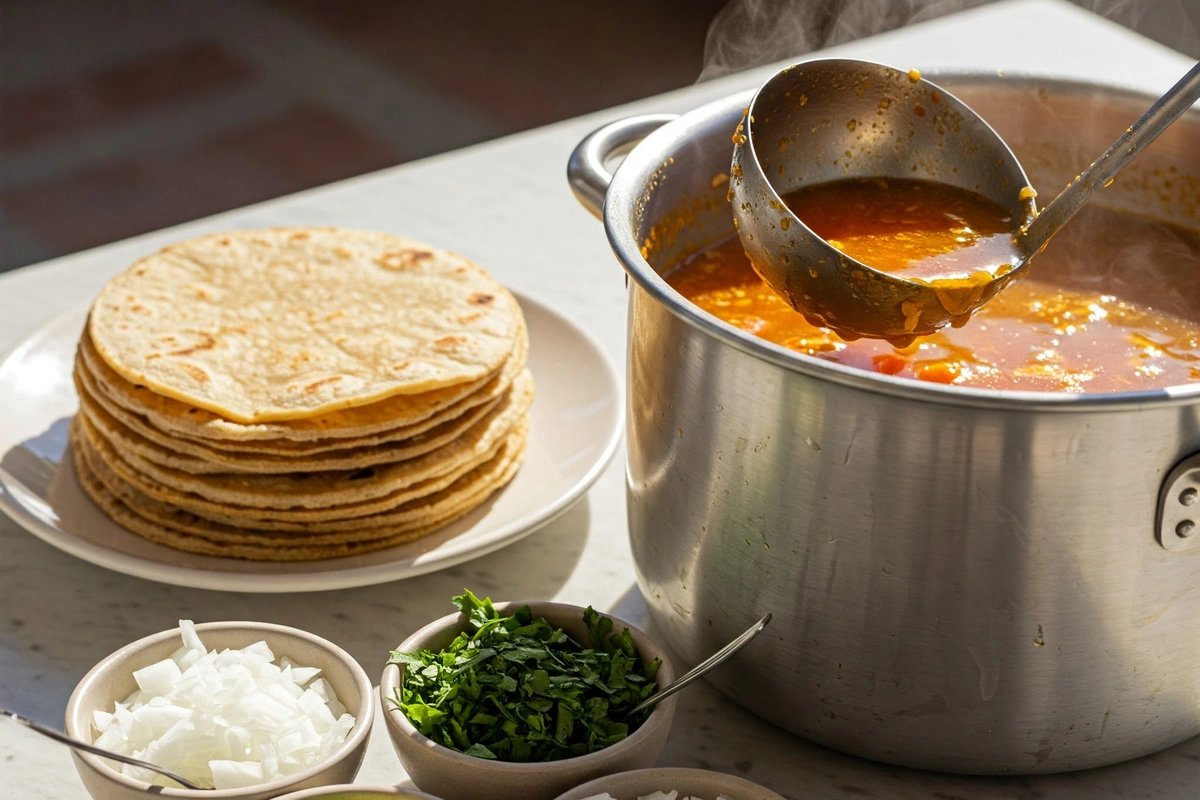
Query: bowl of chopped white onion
x=670 y=783
x=250 y=709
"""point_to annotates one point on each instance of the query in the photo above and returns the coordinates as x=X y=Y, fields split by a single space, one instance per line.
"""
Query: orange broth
x=914 y=229
x=1036 y=335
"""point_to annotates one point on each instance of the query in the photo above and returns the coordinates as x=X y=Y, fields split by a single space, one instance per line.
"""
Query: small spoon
x=833 y=119
x=712 y=662
x=87 y=748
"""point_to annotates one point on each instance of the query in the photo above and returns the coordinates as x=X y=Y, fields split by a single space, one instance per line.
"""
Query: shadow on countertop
x=62 y=615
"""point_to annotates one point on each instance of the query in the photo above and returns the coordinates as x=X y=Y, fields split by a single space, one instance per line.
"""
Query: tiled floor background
x=123 y=116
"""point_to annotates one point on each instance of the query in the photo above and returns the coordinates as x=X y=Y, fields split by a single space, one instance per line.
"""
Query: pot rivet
x=1189 y=496
x=1185 y=529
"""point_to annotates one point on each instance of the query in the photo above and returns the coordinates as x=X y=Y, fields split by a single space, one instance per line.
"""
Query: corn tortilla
x=104 y=456
x=281 y=549
x=294 y=323
x=196 y=458
x=464 y=493
x=339 y=487
x=188 y=421
x=142 y=420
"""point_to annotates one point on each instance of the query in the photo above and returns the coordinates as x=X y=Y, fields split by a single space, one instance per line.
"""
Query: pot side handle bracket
x=1179 y=508
x=587 y=171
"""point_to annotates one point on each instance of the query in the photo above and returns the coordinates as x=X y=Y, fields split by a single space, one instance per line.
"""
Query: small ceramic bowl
x=348 y=791
x=112 y=681
x=456 y=776
x=688 y=782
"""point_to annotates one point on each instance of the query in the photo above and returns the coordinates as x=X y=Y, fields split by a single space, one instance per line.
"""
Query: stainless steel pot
x=962 y=580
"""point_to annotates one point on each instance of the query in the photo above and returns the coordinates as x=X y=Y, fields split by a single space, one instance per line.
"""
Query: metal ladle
x=833 y=119
x=62 y=738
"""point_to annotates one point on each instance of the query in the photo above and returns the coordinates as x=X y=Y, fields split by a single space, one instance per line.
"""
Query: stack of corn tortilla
x=299 y=394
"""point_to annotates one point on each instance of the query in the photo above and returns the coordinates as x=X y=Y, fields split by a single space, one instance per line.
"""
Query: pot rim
x=642 y=163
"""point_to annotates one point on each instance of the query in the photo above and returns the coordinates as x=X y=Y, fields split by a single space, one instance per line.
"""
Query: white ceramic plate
x=576 y=426
x=688 y=782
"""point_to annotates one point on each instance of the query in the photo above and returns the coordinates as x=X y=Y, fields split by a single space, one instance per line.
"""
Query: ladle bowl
x=836 y=119
x=839 y=119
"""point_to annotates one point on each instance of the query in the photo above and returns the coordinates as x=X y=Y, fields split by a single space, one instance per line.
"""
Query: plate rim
x=322 y=580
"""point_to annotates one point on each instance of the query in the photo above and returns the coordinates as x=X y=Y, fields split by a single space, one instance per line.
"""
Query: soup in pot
x=1094 y=316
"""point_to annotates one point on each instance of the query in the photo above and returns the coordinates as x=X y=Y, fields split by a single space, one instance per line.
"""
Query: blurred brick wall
x=123 y=116
x=119 y=117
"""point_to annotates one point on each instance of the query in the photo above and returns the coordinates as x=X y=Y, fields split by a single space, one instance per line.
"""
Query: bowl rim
x=662 y=713
x=317 y=792
x=356 y=737
x=668 y=773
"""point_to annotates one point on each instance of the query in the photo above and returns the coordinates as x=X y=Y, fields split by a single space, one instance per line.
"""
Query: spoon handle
x=1178 y=99
x=87 y=748
x=713 y=661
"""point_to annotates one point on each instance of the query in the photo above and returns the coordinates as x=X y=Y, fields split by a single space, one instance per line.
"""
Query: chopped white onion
x=225 y=719
x=235 y=774
x=158 y=678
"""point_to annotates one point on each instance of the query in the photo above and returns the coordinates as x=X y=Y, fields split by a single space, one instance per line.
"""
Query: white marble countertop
x=507 y=205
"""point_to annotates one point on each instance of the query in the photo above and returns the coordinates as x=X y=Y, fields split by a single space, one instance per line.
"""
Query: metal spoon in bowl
x=704 y=667
x=62 y=738
x=828 y=120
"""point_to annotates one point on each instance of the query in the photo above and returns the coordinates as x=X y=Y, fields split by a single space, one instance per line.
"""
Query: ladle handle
x=586 y=170
x=1169 y=108
x=712 y=662
x=62 y=738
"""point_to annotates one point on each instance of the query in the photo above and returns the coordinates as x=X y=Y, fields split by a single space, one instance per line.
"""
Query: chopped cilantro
x=518 y=689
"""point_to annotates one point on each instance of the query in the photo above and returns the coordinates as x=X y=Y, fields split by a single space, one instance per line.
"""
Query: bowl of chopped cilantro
x=523 y=701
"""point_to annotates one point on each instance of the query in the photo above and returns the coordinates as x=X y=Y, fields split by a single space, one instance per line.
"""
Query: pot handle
x=586 y=172
x=1179 y=507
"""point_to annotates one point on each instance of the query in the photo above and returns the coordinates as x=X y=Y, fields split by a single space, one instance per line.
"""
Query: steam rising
x=750 y=33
